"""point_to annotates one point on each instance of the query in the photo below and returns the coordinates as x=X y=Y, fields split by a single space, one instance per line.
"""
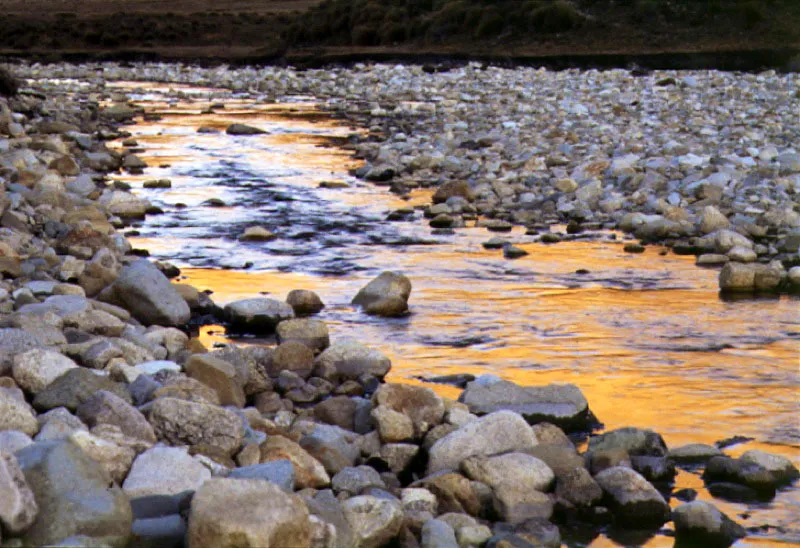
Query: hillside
x=268 y=29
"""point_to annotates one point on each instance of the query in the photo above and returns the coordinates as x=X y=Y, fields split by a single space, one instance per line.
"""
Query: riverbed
x=645 y=336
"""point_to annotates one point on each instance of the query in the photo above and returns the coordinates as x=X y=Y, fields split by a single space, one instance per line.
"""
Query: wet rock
x=694 y=453
x=513 y=252
x=76 y=496
x=180 y=422
x=781 y=468
x=105 y=407
x=75 y=387
x=257 y=234
x=18 y=508
x=373 y=521
x=518 y=482
x=304 y=302
x=223 y=511
x=243 y=129
x=312 y=333
x=258 y=315
x=309 y=472
x=386 y=295
x=633 y=500
x=699 y=523
x=349 y=359
x=499 y=432
x=561 y=404
x=143 y=290
x=634 y=441
x=578 y=488
x=749 y=278
x=35 y=369
x=218 y=375
x=164 y=471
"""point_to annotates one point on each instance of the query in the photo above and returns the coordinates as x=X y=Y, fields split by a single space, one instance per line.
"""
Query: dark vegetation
x=473 y=27
x=8 y=84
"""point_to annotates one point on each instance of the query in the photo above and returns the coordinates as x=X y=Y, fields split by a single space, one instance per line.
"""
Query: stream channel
x=646 y=337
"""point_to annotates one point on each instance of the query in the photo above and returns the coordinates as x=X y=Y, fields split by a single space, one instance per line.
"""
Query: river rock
x=518 y=482
x=312 y=333
x=164 y=471
x=12 y=441
x=74 y=388
x=243 y=129
x=246 y=513
x=349 y=359
x=107 y=408
x=181 y=422
x=699 y=523
x=633 y=500
x=294 y=357
x=76 y=497
x=694 y=453
x=257 y=234
x=18 y=508
x=16 y=414
x=304 y=302
x=634 y=441
x=781 y=468
x=35 y=369
x=355 y=479
x=438 y=534
x=142 y=289
x=373 y=521
x=578 y=488
x=218 y=375
x=115 y=459
x=561 y=404
x=309 y=472
x=421 y=405
x=498 y=432
x=387 y=295
x=454 y=493
x=15 y=341
x=258 y=316
x=450 y=189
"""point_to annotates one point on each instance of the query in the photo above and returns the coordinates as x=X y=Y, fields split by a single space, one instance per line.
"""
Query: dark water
x=646 y=337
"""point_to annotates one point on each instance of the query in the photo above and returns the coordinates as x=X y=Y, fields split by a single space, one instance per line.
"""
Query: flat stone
x=164 y=471
x=561 y=404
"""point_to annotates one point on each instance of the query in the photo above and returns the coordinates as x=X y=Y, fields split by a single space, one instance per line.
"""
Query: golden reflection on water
x=638 y=352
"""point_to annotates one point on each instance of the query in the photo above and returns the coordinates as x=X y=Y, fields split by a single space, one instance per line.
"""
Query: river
x=645 y=336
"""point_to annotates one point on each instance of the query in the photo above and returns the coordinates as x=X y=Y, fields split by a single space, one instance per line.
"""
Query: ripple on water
x=646 y=337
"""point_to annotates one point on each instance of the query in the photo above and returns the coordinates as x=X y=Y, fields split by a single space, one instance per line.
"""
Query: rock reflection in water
x=646 y=337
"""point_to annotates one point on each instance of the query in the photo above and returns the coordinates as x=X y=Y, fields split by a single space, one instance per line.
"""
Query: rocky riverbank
x=104 y=393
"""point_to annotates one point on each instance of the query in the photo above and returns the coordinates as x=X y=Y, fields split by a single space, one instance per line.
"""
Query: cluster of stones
x=115 y=426
x=702 y=161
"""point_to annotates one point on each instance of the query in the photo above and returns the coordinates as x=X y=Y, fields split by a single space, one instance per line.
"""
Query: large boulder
x=164 y=471
x=246 y=513
x=180 y=422
x=76 y=497
x=561 y=404
x=348 y=359
x=387 y=295
x=632 y=499
x=258 y=316
x=143 y=290
x=699 y=523
x=496 y=433
x=518 y=483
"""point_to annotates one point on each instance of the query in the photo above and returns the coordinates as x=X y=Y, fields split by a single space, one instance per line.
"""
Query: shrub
x=9 y=85
x=560 y=16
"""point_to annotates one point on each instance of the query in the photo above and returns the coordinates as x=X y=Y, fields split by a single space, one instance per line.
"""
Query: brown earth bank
x=725 y=34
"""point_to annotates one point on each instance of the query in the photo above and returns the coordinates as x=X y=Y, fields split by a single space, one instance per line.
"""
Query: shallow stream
x=646 y=337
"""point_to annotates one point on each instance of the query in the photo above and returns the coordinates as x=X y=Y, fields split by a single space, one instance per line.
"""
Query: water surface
x=646 y=337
